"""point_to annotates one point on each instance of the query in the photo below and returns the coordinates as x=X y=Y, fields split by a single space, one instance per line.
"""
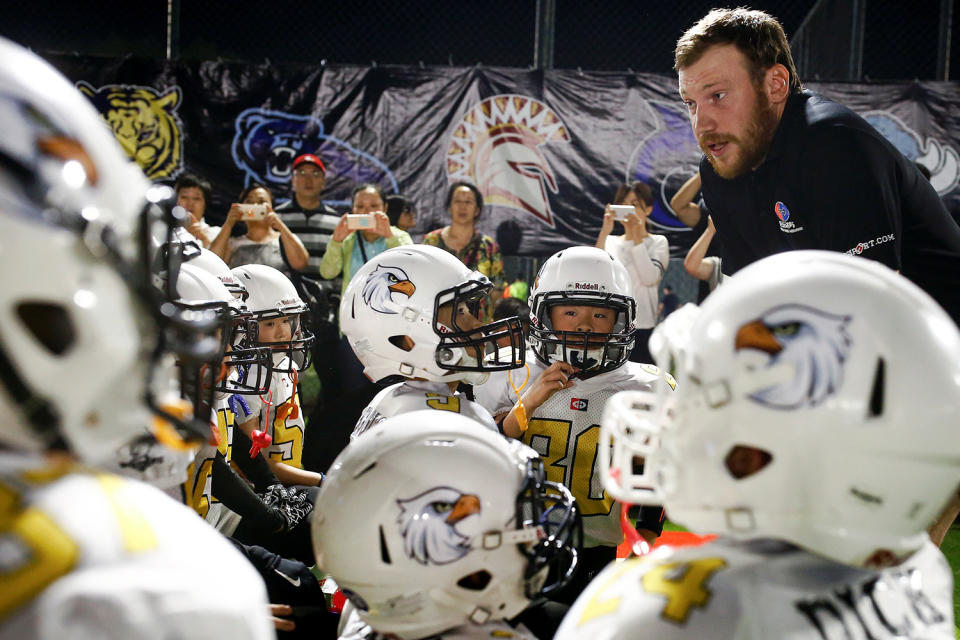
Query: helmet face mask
x=475 y=348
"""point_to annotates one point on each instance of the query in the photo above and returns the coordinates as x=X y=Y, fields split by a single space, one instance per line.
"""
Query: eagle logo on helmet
x=382 y=284
x=428 y=523
x=816 y=343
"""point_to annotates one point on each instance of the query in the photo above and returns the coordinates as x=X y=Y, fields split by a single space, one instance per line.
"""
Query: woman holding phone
x=645 y=255
x=267 y=239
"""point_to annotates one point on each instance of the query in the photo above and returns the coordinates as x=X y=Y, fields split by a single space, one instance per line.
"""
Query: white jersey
x=279 y=415
x=198 y=488
x=414 y=395
x=155 y=464
x=565 y=431
x=354 y=628
x=87 y=554
x=761 y=590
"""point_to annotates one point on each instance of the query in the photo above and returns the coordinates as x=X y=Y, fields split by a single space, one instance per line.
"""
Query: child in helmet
x=278 y=310
x=441 y=541
x=408 y=314
x=813 y=440
x=581 y=333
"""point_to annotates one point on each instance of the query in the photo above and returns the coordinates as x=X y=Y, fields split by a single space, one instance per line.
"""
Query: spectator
x=193 y=194
x=349 y=249
x=401 y=213
x=267 y=241
x=306 y=215
x=461 y=238
x=645 y=255
x=668 y=303
x=701 y=266
x=787 y=169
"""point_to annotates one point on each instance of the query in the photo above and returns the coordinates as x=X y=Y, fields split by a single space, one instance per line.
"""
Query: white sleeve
x=648 y=260
x=495 y=395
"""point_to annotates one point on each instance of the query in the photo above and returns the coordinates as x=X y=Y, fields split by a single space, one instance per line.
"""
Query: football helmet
x=817 y=402
x=270 y=294
x=430 y=521
x=396 y=315
x=84 y=338
x=582 y=276
x=241 y=353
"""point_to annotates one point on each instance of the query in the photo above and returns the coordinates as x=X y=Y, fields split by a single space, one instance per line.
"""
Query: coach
x=785 y=168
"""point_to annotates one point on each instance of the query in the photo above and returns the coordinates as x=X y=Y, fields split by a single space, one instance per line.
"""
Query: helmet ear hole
x=743 y=461
x=402 y=342
x=50 y=324
x=476 y=581
x=876 y=394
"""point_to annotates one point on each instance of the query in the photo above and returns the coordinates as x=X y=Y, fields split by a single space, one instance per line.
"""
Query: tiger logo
x=145 y=123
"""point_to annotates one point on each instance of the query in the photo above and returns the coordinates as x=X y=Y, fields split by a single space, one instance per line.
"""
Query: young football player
x=581 y=333
x=436 y=528
x=814 y=430
x=279 y=311
x=408 y=314
x=87 y=554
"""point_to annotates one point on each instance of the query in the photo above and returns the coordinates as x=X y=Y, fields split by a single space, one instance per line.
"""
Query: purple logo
x=782 y=212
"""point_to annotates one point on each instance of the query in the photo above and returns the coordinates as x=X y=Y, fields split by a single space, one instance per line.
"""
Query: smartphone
x=360 y=221
x=621 y=211
x=253 y=211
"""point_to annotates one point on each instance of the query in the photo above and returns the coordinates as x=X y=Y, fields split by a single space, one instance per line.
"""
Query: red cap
x=312 y=159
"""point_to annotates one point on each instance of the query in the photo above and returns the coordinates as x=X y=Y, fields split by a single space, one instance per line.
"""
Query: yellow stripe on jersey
x=37 y=552
x=136 y=532
x=598 y=605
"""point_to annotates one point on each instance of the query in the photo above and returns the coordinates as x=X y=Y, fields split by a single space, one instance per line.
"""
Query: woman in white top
x=644 y=254
x=267 y=239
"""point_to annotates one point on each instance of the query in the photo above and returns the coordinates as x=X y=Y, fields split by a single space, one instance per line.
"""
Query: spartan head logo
x=380 y=286
x=428 y=523
x=145 y=123
x=814 y=342
x=496 y=146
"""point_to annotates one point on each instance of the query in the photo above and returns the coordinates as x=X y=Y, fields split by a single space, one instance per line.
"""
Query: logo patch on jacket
x=783 y=213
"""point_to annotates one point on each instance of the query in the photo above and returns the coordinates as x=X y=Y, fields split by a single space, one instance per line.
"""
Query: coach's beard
x=750 y=149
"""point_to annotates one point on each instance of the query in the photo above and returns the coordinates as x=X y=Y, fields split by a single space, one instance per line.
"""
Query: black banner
x=547 y=149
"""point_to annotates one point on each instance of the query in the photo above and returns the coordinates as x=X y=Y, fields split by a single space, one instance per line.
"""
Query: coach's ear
x=776 y=83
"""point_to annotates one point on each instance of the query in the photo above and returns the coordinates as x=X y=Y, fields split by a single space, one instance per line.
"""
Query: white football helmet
x=272 y=295
x=84 y=338
x=582 y=276
x=242 y=354
x=389 y=314
x=817 y=402
x=430 y=522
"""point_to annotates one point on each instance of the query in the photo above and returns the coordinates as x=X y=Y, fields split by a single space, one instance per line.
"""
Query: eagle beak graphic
x=467 y=505
x=756 y=335
x=404 y=286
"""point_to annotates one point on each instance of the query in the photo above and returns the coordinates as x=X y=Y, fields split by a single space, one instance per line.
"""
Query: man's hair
x=477 y=196
x=189 y=180
x=756 y=34
x=639 y=189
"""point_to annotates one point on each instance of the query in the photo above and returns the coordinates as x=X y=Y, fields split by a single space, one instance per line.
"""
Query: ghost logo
x=813 y=342
x=428 y=523
x=145 y=123
x=380 y=286
x=265 y=144
x=497 y=147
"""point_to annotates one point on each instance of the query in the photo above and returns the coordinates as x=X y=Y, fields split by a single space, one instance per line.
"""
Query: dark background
x=899 y=39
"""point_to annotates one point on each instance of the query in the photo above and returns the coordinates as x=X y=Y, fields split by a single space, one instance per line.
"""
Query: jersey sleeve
x=496 y=394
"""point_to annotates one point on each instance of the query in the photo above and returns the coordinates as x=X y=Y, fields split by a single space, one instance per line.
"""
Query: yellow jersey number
x=46 y=551
x=683 y=584
x=578 y=472
x=443 y=403
x=292 y=435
